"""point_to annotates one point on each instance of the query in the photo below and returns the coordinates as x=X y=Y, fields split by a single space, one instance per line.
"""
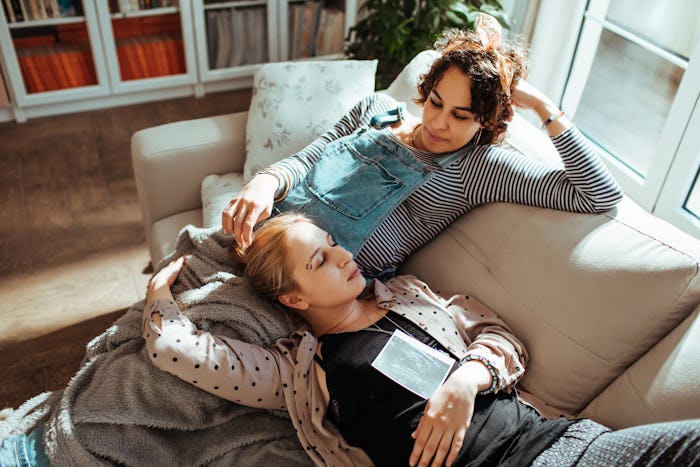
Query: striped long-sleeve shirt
x=486 y=174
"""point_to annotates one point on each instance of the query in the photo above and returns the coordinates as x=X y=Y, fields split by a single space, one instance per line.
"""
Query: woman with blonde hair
x=344 y=380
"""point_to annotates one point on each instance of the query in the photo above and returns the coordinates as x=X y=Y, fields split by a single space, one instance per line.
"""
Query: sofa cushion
x=295 y=102
x=660 y=386
x=217 y=191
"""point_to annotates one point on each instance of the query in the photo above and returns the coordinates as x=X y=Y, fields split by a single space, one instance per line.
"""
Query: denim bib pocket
x=363 y=186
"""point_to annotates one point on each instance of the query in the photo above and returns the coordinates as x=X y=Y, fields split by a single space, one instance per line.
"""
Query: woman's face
x=448 y=123
x=324 y=271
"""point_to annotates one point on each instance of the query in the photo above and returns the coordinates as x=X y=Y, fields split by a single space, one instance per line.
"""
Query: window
x=633 y=89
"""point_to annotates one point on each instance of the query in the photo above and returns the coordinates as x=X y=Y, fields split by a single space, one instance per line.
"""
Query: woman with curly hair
x=387 y=182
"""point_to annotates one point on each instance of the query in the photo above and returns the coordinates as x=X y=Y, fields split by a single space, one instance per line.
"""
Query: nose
x=440 y=120
x=343 y=255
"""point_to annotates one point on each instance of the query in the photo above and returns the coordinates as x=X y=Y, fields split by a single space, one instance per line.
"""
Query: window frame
x=674 y=165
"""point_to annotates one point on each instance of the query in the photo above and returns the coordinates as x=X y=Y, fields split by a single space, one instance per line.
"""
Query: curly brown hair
x=491 y=104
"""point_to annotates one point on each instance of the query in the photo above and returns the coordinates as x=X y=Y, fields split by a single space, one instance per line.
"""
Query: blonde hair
x=267 y=259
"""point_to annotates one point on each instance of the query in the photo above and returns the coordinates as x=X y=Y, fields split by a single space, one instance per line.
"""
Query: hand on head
x=250 y=206
x=528 y=97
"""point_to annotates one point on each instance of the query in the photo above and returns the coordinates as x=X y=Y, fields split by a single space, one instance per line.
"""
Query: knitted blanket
x=119 y=409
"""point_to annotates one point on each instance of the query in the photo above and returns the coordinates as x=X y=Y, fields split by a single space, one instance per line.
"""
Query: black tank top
x=379 y=415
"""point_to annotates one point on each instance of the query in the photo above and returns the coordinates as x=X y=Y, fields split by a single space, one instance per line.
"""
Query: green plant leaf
x=394 y=31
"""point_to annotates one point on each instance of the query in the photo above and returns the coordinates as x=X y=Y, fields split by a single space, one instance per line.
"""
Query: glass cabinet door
x=237 y=33
x=52 y=45
x=148 y=39
x=315 y=28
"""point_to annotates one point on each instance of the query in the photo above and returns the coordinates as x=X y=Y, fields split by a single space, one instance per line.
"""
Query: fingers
x=172 y=270
x=419 y=443
x=457 y=442
x=239 y=218
x=432 y=445
x=228 y=215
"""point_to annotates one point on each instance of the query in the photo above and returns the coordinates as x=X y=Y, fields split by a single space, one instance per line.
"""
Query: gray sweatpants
x=587 y=443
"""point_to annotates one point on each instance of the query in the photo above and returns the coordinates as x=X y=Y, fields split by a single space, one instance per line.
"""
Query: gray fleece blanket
x=119 y=409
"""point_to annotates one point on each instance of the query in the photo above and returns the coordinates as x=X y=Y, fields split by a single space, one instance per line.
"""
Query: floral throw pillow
x=217 y=192
x=295 y=102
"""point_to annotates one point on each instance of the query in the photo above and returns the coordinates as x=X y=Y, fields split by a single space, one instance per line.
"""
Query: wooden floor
x=72 y=245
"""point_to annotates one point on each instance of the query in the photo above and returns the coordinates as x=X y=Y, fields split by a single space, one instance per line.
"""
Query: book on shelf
x=212 y=37
x=126 y=6
x=223 y=26
x=236 y=36
x=142 y=57
x=331 y=32
x=50 y=68
x=315 y=30
x=254 y=43
x=237 y=53
x=303 y=28
x=34 y=10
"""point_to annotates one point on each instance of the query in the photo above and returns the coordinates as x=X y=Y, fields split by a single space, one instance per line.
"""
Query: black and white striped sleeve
x=584 y=185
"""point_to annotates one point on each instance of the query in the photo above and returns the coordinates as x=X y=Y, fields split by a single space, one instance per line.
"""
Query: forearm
x=595 y=188
x=474 y=373
x=158 y=289
x=228 y=368
x=554 y=121
x=490 y=341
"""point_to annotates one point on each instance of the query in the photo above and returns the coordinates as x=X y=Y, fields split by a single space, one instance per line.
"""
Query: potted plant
x=394 y=31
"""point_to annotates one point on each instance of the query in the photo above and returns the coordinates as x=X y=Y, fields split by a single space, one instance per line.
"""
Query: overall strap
x=389 y=117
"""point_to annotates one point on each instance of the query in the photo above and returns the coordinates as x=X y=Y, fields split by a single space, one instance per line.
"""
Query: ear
x=293 y=300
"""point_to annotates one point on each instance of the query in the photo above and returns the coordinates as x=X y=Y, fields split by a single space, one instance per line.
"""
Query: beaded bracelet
x=492 y=370
x=551 y=118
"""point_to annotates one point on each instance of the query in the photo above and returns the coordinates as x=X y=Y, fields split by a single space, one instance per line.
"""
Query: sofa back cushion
x=295 y=102
x=404 y=88
x=587 y=294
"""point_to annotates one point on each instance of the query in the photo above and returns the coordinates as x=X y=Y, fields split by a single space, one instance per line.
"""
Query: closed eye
x=439 y=105
x=331 y=243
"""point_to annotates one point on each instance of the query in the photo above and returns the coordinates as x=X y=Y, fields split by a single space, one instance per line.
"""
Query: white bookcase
x=120 y=52
x=269 y=35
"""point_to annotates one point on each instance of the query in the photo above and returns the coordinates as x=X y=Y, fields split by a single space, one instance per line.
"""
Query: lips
x=354 y=274
x=432 y=137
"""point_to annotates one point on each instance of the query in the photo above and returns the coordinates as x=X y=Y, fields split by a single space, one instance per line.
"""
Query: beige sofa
x=606 y=304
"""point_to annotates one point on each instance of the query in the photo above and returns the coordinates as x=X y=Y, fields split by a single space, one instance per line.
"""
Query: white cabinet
x=89 y=54
x=92 y=55
x=234 y=37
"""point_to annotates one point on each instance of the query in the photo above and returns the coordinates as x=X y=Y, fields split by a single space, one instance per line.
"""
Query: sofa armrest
x=170 y=161
x=663 y=385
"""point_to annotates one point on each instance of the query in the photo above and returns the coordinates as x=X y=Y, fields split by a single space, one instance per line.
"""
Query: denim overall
x=358 y=181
